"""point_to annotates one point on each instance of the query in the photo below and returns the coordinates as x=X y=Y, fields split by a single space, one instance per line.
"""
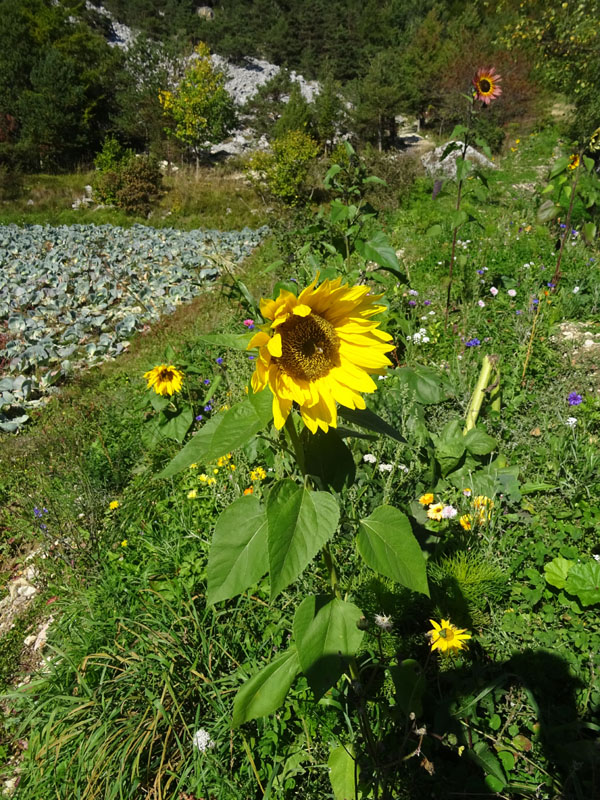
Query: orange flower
x=249 y=490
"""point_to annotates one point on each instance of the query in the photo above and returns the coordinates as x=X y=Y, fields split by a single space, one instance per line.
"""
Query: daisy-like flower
x=487 y=85
x=449 y=512
x=466 y=521
x=383 y=621
x=258 y=474
x=369 y=458
x=164 y=379
x=574 y=161
x=319 y=349
x=112 y=505
x=202 y=740
x=445 y=636
x=426 y=499
x=436 y=511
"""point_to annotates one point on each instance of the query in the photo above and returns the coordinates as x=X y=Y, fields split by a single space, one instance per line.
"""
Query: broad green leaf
x=326 y=634
x=238 y=555
x=547 y=211
x=338 y=211
x=583 y=581
x=589 y=163
x=365 y=418
x=387 y=544
x=427 y=384
x=560 y=165
x=409 y=683
x=328 y=458
x=589 y=232
x=234 y=341
x=507 y=759
x=343 y=772
x=479 y=443
x=484 y=758
x=159 y=402
x=531 y=488
x=434 y=230
x=265 y=692
x=457 y=218
x=457 y=133
x=463 y=168
x=175 y=425
x=557 y=570
x=224 y=432
x=379 y=250
x=300 y=522
x=449 y=446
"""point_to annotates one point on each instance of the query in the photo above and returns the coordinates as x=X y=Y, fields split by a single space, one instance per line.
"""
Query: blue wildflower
x=473 y=343
x=575 y=399
x=219 y=360
x=199 y=418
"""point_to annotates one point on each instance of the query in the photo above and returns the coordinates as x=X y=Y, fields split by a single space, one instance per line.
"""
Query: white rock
x=446 y=168
x=26 y=591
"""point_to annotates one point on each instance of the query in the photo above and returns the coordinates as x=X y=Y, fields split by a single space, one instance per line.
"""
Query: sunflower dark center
x=165 y=375
x=484 y=85
x=309 y=347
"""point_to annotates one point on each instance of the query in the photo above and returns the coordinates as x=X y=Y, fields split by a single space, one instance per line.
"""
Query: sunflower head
x=574 y=161
x=164 y=379
x=487 y=85
x=319 y=349
x=446 y=637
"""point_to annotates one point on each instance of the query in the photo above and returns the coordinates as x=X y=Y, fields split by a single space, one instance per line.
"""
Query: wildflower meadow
x=331 y=529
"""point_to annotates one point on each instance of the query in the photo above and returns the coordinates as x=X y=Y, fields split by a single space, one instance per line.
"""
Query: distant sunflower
x=445 y=636
x=574 y=161
x=319 y=349
x=164 y=379
x=487 y=85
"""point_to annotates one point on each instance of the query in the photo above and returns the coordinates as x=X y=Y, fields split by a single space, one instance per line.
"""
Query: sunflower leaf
x=264 y=692
x=224 y=432
x=387 y=544
x=343 y=772
x=365 y=418
x=238 y=553
x=300 y=522
x=327 y=636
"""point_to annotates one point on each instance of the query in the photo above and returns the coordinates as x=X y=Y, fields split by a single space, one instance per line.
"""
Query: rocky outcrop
x=438 y=167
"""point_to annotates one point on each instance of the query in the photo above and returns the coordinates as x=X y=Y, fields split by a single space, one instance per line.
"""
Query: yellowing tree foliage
x=200 y=110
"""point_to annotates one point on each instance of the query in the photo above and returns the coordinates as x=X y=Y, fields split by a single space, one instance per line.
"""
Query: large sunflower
x=487 y=85
x=164 y=379
x=318 y=350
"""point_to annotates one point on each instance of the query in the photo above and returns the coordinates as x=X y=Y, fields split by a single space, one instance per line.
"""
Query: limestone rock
x=446 y=168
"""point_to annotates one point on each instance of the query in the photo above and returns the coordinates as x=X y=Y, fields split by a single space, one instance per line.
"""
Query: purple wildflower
x=219 y=360
x=473 y=343
x=199 y=418
x=426 y=302
x=412 y=303
x=207 y=381
x=208 y=408
x=575 y=399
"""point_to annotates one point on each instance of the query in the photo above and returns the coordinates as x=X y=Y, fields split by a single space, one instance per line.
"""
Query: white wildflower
x=384 y=622
x=449 y=512
x=369 y=458
x=202 y=740
x=575 y=289
x=570 y=422
x=385 y=467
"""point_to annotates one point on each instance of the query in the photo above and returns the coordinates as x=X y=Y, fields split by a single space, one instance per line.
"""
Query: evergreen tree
x=328 y=112
x=378 y=98
x=295 y=115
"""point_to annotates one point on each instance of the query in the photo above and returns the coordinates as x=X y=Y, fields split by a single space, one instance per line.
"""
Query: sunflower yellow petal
x=258 y=340
x=275 y=346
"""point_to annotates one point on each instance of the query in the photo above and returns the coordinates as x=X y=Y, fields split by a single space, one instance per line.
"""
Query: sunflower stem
x=296 y=443
x=333 y=579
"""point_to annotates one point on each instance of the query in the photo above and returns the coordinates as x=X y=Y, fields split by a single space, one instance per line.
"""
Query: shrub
x=282 y=173
x=140 y=185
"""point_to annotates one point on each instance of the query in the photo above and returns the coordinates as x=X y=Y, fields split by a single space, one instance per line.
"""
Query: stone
x=446 y=168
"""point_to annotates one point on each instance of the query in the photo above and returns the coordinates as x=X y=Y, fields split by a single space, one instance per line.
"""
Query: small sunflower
x=435 y=511
x=319 y=349
x=445 y=636
x=164 y=379
x=487 y=85
x=574 y=161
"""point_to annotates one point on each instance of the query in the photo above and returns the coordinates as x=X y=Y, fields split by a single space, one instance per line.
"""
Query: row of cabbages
x=71 y=296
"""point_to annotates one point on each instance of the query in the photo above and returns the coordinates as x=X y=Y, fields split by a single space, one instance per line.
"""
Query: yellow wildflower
x=445 y=636
x=113 y=504
x=435 y=511
x=426 y=499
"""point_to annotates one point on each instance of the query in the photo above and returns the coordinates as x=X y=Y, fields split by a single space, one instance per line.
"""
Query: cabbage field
x=72 y=296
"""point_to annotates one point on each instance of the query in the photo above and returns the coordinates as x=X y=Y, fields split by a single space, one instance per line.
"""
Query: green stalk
x=478 y=395
x=296 y=443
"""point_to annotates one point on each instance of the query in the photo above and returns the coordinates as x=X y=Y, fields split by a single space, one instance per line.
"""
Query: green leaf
x=300 y=522
x=329 y=459
x=343 y=772
x=557 y=570
x=387 y=544
x=457 y=218
x=427 y=384
x=238 y=555
x=379 y=250
x=175 y=424
x=559 y=166
x=434 y=230
x=235 y=341
x=479 y=443
x=463 y=168
x=583 y=581
x=224 y=432
x=507 y=759
x=265 y=692
x=589 y=232
x=547 y=211
x=409 y=683
x=365 y=418
x=531 y=488
x=338 y=211
x=327 y=636
x=484 y=758
x=159 y=402
x=449 y=446
x=458 y=132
